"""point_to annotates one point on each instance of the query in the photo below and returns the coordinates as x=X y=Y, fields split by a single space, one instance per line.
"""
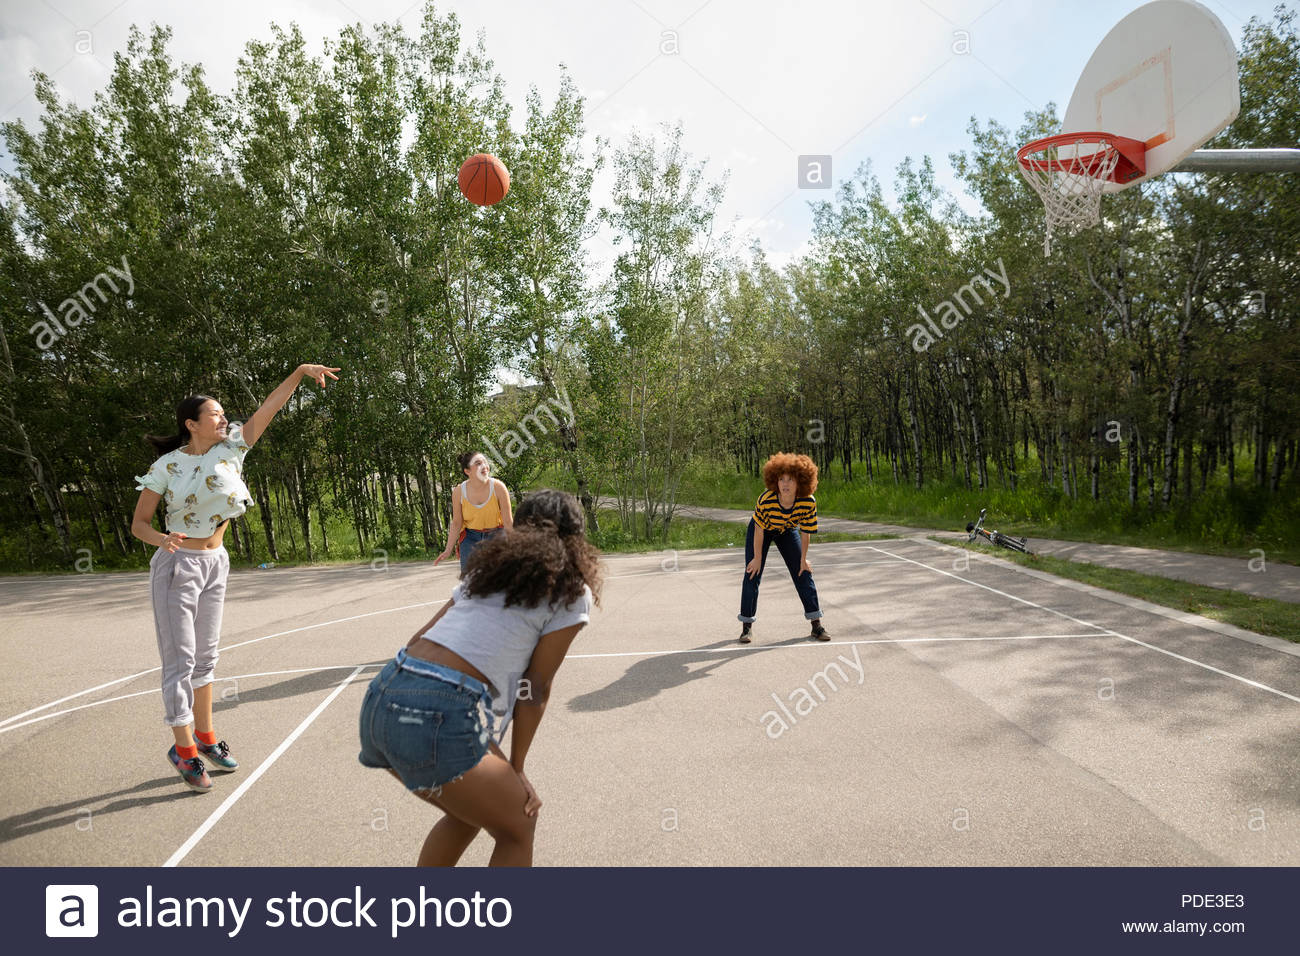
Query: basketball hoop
x=1070 y=171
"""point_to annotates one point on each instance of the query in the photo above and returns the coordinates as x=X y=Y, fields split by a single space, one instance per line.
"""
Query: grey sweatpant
x=189 y=592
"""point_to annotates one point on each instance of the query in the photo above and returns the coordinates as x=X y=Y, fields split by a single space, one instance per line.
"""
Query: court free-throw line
x=224 y=647
x=251 y=779
x=1106 y=630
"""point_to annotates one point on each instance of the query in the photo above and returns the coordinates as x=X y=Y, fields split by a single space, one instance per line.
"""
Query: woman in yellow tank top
x=480 y=508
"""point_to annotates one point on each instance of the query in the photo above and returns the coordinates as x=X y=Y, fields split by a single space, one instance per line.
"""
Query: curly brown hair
x=545 y=558
x=802 y=468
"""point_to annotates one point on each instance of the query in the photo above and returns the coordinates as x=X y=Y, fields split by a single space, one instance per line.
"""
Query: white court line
x=1133 y=640
x=225 y=647
x=1005 y=594
x=251 y=779
x=158 y=690
x=81 y=693
x=341 y=620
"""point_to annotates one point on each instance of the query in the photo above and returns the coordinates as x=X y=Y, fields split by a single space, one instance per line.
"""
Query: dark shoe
x=192 y=771
x=218 y=755
x=820 y=632
x=744 y=633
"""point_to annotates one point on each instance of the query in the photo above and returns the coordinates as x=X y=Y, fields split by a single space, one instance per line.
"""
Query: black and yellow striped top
x=769 y=514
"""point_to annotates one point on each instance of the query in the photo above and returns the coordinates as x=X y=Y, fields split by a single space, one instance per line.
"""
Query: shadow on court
x=65 y=814
x=647 y=677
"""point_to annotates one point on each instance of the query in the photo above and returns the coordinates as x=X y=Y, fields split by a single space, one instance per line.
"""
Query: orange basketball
x=484 y=179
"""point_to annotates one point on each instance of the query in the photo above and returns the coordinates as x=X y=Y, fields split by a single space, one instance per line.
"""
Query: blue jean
x=424 y=721
x=788 y=543
x=471 y=541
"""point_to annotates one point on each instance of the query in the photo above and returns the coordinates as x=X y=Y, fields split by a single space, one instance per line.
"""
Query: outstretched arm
x=257 y=424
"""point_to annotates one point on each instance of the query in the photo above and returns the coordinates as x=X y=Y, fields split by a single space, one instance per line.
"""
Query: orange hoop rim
x=1130 y=165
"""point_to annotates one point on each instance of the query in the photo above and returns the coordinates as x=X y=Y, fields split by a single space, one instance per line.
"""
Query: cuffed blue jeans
x=788 y=543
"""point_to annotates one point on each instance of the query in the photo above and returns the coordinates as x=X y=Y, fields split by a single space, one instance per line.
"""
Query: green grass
x=1229 y=521
x=686 y=534
x=1261 y=615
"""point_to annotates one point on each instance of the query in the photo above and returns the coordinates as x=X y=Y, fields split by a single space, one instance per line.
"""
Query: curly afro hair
x=801 y=467
x=545 y=559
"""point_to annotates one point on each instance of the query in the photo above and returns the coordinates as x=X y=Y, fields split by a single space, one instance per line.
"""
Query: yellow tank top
x=482 y=517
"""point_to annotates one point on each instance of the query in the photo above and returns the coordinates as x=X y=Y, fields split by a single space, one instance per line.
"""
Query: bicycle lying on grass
x=977 y=530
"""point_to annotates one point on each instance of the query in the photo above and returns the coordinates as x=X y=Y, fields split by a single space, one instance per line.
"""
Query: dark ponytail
x=187 y=410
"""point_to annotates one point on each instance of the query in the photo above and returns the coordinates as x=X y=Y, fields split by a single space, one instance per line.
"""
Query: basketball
x=484 y=179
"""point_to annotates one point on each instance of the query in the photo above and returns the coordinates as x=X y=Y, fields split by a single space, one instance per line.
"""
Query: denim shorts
x=424 y=721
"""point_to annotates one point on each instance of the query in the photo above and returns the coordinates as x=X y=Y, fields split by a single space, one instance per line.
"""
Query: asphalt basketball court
x=966 y=712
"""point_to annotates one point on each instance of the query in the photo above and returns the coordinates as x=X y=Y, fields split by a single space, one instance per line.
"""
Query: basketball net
x=1068 y=174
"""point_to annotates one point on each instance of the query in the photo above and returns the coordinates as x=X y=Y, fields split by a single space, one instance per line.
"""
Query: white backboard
x=1165 y=75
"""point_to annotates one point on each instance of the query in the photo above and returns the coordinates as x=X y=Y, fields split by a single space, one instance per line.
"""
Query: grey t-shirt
x=500 y=640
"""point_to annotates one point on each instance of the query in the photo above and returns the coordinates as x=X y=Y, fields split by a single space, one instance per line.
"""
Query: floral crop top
x=201 y=491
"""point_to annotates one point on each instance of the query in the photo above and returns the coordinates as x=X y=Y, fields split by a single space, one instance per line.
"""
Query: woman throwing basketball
x=200 y=477
x=497 y=643
x=480 y=508
x=784 y=510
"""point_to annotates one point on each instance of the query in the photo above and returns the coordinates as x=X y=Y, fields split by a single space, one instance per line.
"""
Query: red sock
x=187 y=753
x=209 y=739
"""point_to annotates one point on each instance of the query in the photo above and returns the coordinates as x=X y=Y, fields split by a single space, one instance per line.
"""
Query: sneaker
x=820 y=632
x=192 y=771
x=744 y=634
x=218 y=755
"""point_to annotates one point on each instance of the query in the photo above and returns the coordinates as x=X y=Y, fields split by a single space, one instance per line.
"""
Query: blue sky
x=755 y=84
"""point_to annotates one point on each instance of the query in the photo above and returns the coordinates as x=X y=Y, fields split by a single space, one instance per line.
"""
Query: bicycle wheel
x=1012 y=544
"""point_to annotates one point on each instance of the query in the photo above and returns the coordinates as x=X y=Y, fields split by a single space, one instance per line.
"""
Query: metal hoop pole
x=1241 y=161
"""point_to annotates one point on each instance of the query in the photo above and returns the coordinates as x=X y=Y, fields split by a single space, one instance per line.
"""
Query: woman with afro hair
x=784 y=510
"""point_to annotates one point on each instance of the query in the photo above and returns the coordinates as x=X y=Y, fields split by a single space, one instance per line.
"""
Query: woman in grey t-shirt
x=491 y=650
